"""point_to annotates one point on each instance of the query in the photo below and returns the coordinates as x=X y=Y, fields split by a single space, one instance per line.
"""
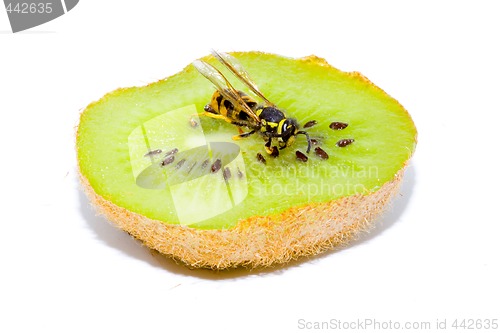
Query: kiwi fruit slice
x=178 y=181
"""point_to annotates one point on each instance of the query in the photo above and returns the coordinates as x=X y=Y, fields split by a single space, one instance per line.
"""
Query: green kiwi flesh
x=116 y=133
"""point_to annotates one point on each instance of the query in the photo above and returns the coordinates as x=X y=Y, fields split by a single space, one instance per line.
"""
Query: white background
x=434 y=256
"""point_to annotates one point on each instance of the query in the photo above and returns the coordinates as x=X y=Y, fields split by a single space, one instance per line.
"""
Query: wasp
x=240 y=109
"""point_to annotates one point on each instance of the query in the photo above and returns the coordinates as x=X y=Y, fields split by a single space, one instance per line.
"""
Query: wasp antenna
x=308 y=140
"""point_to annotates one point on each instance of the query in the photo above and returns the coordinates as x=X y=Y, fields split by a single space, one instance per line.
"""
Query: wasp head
x=290 y=129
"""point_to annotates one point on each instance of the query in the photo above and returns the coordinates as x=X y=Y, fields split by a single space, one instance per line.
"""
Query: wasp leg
x=243 y=135
x=268 y=147
x=240 y=123
x=221 y=117
x=215 y=116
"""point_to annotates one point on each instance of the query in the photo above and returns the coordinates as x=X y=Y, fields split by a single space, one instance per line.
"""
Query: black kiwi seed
x=301 y=156
x=275 y=152
x=226 y=173
x=171 y=152
x=168 y=160
x=204 y=164
x=344 y=142
x=180 y=163
x=216 y=166
x=239 y=173
x=153 y=152
x=310 y=123
x=337 y=125
x=314 y=141
x=321 y=153
x=261 y=158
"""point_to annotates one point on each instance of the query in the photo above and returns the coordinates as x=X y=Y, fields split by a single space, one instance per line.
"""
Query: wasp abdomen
x=222 y=106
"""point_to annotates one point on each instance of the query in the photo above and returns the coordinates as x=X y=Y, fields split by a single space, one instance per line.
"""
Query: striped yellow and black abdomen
x=220 y=105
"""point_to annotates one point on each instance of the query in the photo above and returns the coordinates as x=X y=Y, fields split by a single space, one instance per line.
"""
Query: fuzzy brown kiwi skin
x=258 y=241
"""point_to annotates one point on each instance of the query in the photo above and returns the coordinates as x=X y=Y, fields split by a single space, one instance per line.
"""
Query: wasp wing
x=213 y=75
x=224 y=87
x=237 y=69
